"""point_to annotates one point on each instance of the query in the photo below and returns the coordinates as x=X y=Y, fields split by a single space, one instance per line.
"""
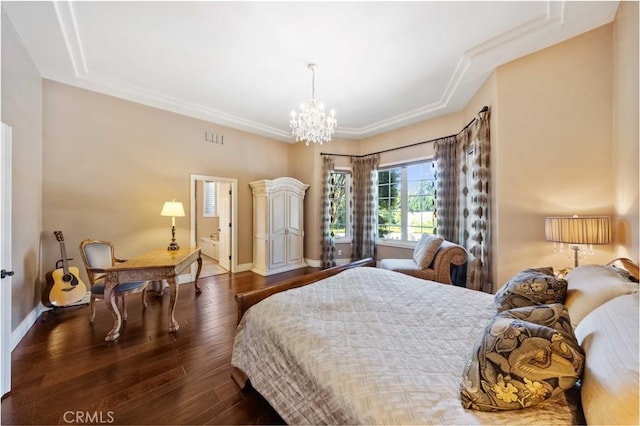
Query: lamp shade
x=578 y=230
x=173 y=209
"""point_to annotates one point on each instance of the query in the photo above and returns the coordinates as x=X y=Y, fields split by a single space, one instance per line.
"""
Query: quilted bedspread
x=371 y=346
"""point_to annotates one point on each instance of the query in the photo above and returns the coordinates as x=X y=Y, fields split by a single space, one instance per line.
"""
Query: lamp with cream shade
x=174 y=209
x=577 y=231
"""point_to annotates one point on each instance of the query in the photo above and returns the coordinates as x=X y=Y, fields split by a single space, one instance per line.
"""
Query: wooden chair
x=97 y=257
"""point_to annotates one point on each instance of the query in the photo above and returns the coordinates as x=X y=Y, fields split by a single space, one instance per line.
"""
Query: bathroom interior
x=207 y=227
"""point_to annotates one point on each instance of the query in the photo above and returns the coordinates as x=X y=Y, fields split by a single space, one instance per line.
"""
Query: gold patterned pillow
x=426 y=249
x=525 y=356
x=531 y=287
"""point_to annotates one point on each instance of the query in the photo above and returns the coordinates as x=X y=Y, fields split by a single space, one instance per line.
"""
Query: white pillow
x=589 y=286
x=610 y=338
x=426 y=249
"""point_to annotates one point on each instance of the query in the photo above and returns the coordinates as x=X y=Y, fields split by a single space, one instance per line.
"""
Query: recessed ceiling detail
x=384 y=64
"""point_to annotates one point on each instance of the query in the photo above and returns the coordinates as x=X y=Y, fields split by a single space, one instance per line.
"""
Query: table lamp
x=578 y=230
x=174 y=209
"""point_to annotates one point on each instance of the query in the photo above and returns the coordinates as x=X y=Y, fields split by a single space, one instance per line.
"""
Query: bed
x=362 y=345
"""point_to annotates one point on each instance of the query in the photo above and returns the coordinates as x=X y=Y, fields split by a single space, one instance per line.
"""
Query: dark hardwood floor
x=63 y=371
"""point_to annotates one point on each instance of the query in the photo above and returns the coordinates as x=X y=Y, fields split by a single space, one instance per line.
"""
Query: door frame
x=5 y=259
x=234 y=214
x=223 y=192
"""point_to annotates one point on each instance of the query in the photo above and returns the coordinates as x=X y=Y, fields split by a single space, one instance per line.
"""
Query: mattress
x=371 y=346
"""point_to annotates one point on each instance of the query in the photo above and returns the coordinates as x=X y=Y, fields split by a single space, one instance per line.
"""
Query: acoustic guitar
x=64 y=287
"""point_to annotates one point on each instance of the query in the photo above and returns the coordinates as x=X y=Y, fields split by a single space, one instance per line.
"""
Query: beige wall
x=302 y=167
x=625 y=130
x=22 y=110
x=111 y=164
x=554 y=156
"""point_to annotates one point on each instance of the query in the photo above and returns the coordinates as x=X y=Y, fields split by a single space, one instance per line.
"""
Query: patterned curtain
x=364 y=211
x=447 y=158
x=478 y=218
x=463 y=199
x=328 y=241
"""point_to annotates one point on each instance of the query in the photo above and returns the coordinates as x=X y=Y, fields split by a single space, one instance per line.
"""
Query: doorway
x=5 y=260
x=215 y=232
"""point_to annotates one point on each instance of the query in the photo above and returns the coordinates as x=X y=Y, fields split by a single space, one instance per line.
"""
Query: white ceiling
x=381 y=65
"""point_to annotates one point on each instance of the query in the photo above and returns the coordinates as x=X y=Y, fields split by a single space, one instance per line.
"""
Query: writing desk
x=157 y=265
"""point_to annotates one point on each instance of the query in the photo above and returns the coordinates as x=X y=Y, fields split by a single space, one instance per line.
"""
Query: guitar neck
x=63 y=253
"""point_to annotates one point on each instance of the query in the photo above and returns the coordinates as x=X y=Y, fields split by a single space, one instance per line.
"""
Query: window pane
x=389 y=204
x=209 y=199
x=338 y=208
x=428 y=171
x=413 y=188
x=418 y=201
x=413 y=172
x=421 y=203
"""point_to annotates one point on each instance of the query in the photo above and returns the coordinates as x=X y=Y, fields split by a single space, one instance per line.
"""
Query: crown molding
x=470 y=72
x=66 y=17
x=69 y=28
x=553 y=17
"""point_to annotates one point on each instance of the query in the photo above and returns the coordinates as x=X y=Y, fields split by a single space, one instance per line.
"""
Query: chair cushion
x=426 y=249
x=396 y=264
x=99 y=288
x=98 y=255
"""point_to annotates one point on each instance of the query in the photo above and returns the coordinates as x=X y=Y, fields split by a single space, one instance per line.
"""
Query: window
x=209 y=200
x=340 y=226
x=406 y=201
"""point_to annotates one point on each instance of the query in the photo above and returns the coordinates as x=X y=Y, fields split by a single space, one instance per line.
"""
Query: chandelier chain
x=312 y=67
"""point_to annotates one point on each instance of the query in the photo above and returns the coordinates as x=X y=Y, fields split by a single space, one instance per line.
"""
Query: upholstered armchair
x=98 y=256
x=433 y=259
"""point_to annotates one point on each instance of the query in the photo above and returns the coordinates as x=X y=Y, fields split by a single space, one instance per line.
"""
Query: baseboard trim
x=21 y=330
x=317 y=263
x=243 y=267
x=313 y=263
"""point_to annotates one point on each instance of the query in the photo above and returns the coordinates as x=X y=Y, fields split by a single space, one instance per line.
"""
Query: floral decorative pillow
x=426 y=249
x=531 y=287
x=517 y=363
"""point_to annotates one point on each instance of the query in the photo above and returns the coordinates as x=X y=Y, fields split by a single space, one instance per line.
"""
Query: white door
x=5 y=259
x=224 y=217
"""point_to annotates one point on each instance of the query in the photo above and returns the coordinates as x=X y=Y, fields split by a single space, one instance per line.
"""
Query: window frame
x=404 y=196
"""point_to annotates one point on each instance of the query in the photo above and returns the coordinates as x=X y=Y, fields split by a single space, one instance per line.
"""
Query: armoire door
x=294 y=230
x=278 y=229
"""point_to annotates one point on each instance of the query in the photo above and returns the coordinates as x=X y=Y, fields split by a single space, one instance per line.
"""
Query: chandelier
x=311 y=124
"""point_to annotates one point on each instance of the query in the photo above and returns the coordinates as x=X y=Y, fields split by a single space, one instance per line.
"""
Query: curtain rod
x=484 y=109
